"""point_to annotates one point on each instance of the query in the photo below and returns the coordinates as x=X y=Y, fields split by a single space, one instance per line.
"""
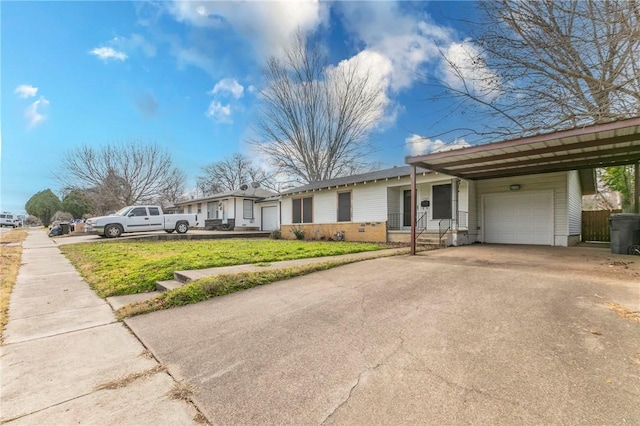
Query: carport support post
x=636 y=193
x=413 y=209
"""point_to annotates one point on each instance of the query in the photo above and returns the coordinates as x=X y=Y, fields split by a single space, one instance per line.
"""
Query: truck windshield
x=123 y=212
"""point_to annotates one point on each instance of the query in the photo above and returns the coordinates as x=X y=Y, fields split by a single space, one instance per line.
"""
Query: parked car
x=140 y=219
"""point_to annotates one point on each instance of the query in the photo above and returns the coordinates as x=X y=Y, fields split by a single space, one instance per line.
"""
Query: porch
x=441 y=215
x=447 y=232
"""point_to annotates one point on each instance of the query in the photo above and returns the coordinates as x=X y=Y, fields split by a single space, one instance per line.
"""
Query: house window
x=199 y=208
x=247 y=209
x=302 y=210
x=344 y=206
x=154 y=211
x=442 y=201
x=189 y=209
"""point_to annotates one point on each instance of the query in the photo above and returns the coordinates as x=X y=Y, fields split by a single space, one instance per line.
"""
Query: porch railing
x=399 y=221
x=402 y=221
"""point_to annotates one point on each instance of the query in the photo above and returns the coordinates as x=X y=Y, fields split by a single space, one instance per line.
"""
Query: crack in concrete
x=475 y=390
x=384 y=361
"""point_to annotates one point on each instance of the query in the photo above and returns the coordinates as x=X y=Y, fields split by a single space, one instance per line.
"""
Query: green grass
x=119 y=268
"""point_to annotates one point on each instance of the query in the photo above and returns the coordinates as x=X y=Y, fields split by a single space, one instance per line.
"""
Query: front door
x=406 y=208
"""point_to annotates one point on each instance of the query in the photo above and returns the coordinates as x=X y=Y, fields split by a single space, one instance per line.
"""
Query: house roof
x=254 y=193
x=602 y=145
x=385 y=174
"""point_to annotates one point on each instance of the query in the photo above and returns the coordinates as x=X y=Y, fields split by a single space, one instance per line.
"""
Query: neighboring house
x=536 y=209
x=248 y=209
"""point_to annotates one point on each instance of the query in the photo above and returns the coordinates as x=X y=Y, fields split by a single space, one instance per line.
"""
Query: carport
x=583 y=149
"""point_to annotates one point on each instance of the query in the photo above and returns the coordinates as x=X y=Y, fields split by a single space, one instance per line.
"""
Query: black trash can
x=65 y=228
x=625 y=232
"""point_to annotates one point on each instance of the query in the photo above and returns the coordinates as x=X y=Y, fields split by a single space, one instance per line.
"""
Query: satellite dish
x=243 y=187
x=255 y=185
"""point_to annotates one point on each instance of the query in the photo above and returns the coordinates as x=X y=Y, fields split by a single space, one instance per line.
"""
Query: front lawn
x=118 y=268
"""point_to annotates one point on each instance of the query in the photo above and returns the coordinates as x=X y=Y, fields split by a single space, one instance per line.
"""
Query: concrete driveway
x=467 y=335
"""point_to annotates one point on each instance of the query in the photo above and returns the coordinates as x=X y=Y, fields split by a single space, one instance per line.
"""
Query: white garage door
x=270 y=218
x=519 y=218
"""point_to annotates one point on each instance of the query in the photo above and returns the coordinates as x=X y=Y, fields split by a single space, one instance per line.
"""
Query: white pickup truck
x=140 y=219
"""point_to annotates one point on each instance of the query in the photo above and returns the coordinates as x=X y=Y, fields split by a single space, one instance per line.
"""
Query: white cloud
x=108 y=53
x=467 y=69
x=26 y=91
x=377 y=69
x=192 y=56
x=133 y=43
x=267 y=25
x=226 y=88
x=34 y=113
x=228 y=85
x=408 y=40
x=418 y=145
x=219 y=113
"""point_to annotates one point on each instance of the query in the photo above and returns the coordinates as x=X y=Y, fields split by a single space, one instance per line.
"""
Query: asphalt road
x=468 y=335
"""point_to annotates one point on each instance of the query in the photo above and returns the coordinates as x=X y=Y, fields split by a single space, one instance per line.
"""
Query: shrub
x=275 y=234
x=298 y=232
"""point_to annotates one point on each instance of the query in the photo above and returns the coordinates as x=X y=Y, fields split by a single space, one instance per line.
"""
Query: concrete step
x=182 y=277
x=428 y=242
x=118 y=302
x=168 y=285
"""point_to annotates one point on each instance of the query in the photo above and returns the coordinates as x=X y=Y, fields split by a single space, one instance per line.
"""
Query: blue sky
x=186 y=75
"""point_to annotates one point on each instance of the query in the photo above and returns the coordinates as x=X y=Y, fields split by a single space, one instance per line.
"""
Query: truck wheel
x=182 y=227
x=113 y=231
x=169 y=231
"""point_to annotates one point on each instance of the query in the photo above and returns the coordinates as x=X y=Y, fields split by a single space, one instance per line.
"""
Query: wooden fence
x=595 y=225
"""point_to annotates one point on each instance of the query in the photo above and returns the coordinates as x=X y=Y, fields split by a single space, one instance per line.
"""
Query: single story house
x=521 y=191
x=244 y=209
x=536 y=209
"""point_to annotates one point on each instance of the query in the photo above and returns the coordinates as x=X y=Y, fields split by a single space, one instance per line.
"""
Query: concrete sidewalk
x=67 y=360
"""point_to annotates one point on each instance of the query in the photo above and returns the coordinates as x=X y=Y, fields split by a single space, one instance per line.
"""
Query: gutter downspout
x=413 y=210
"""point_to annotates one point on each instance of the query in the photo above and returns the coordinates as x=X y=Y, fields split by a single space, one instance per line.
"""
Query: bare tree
x=316 y=118
x=546 y=65
x=117 y=175
x=174 y=188
x=230 y=173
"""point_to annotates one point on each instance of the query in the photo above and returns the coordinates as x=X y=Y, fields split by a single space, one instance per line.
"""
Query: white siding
x=394 y=200
x=548 y=181
x=574 y=199
x=286 y=211
x=325 y=206
x=369 y=203
x=240 y=220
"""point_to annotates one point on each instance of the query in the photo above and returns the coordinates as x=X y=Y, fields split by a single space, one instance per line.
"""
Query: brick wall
x=365 y=231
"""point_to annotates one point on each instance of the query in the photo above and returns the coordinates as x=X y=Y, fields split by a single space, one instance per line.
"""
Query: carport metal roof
x=602 y=145
x=611 y=144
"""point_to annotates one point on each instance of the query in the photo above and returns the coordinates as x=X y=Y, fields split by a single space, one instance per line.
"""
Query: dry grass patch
x=181 y=392
x=130 y=378
x=624 y=312
x=10 y=256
